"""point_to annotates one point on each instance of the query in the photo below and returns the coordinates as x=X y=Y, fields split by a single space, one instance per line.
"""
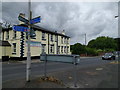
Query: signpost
x=30 y=33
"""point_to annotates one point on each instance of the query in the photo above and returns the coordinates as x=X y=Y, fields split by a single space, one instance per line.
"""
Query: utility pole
x=28 y=67
x=85 y=39
x=85 y=44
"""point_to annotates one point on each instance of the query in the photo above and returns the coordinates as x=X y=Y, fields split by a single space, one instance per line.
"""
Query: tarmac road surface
x=12 y=71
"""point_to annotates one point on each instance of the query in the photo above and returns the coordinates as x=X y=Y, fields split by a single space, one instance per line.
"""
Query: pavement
x=103 y=76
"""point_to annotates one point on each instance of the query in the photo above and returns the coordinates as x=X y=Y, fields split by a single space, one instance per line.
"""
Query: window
x=64 y=40
x=14 y=48
x=51 y=38
x=67 y=40
x=14 y=35
x=62 y=49
x=43 y=36
x=56 y=38
x=43 y=48
x=61 y=40
x=67 y=49
x=0 y=36
x=51 y=48
x=58 y=49
x=7 y=35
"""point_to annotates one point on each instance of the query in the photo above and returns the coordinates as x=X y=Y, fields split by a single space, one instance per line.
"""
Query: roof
x=40 y=29
x=4 y=43
x=48 y=31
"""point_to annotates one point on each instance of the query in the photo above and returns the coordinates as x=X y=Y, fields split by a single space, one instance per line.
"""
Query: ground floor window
x=51 y=48
x=58 y=49
x=67 y=49
x=61 y=49
x=14 y=48
x=43 y=48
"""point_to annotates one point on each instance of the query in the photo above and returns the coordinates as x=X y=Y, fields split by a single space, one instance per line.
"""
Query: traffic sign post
x=31 y=34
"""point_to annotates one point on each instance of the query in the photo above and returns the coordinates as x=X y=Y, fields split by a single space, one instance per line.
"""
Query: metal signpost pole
x=45 y=64
x=28 y=43
x=75 y=73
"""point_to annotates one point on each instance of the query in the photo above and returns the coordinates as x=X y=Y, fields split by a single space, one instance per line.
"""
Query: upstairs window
x=61 y=40
x=43 y=36
x=56 y=38
x=67 y=40
x=14 y=34
x=7 y=35
x=51 y=38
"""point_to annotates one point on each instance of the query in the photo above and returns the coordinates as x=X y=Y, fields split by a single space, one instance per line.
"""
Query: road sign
x=74 y=59
x=32 y=21
x=35 y=20
x=20 y=28
x=23 y=19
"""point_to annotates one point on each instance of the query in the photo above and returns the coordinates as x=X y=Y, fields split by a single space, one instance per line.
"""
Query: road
x=18 y=70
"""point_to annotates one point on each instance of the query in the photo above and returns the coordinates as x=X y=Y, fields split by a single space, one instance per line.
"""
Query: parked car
x=108 y=56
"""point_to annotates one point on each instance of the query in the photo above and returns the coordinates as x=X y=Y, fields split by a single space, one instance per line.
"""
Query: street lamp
x=117 y=16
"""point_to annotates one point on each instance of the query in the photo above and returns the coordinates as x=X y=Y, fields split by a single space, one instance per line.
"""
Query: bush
x=91 y=51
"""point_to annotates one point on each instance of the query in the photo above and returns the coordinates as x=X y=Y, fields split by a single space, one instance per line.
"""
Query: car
x=108 y=56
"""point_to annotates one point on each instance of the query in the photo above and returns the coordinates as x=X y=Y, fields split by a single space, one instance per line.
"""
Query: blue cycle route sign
x=20 y=28
x=23 y=19
x=35 y=20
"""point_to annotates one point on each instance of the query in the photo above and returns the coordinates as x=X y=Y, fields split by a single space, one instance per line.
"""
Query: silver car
x=108 y=56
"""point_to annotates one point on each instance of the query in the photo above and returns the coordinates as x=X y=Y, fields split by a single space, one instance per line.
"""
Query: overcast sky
x=76 y=18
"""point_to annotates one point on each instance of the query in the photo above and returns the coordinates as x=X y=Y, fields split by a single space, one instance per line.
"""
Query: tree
x=104 y=43
x=78 y=49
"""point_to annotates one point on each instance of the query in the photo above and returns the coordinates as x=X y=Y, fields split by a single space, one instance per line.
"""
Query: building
x=45 y=41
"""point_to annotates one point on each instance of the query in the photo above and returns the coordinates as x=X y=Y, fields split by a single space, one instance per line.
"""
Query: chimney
x=22 y=15
x=63 y=32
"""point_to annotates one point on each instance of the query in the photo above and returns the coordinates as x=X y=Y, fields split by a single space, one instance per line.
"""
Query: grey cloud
x=75 y=18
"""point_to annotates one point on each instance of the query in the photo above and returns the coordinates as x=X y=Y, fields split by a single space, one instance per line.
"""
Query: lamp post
x=117 y=16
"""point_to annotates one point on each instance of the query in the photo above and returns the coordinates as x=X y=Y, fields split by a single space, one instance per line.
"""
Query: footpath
x=105 y=76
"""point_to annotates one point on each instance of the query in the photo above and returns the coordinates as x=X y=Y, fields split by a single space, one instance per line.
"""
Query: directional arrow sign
x=23 y=19
x=32 y=21
x=20 y=28
x=35 y=20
